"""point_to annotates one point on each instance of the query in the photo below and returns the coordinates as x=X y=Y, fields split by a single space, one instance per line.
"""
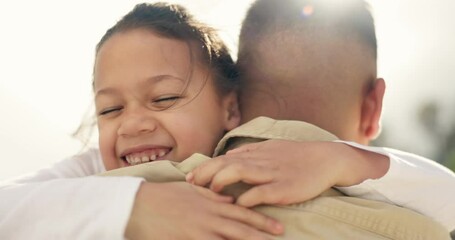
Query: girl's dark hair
x=175 y=22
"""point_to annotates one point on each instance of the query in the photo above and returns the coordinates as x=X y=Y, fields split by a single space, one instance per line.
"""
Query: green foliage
x=450 y=160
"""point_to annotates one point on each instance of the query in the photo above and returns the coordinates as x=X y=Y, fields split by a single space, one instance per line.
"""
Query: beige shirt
x=328 y=216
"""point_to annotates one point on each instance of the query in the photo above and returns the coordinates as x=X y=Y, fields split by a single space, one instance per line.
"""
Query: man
x=314 y=61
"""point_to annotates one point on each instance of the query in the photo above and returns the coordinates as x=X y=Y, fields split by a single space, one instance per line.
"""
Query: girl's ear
x=231 y=115
x=371 y=110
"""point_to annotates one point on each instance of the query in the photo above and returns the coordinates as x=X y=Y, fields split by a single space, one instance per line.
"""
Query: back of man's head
x=309 y=60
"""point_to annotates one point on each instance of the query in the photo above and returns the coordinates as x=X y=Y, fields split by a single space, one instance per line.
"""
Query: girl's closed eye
x=110 y=110
x=165 y=101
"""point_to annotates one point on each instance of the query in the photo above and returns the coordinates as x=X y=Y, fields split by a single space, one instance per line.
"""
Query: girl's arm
x=63 y=202
x=412 y=182
x=81 y=165
x=285 y=172
x=60 y=203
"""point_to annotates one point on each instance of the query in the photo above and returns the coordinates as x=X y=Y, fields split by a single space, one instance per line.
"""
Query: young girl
x=164 y=88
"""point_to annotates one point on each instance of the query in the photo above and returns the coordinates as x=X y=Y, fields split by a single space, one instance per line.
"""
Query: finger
x=213 y=227
x=245 y=148
x=189 y=178
x=273 y=193
x=240 y=171
x=204 y=233
x=204 y=173
x=252 y=219
x=213 y=195
x=235 y=230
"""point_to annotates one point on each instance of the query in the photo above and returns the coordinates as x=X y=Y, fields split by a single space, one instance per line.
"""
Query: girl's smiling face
x=137 y=76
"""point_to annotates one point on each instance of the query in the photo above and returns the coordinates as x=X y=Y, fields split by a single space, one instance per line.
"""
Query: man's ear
x=231 y=115
x=371 y=110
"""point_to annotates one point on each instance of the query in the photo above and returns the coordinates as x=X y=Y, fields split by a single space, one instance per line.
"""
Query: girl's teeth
x=143 y=159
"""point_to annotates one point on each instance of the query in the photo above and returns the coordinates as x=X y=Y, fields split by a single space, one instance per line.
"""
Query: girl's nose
x=136 y=122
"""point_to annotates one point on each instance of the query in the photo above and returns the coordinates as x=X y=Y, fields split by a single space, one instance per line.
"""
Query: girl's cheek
x=106 y=139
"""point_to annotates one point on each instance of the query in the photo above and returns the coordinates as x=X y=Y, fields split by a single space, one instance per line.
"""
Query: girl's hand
x=180 y=210
x=285 y=172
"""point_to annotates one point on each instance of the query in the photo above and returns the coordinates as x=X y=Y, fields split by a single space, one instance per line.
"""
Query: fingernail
x=214 y=188
x=189 y=177
x=228 y=199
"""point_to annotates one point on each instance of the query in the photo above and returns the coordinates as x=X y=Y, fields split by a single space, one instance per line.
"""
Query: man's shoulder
x=343 y=217
x=289 y=129
x=264 y=128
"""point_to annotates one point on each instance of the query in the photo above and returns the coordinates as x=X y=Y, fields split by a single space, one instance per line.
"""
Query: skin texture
x=320 y=77
x=137 y=75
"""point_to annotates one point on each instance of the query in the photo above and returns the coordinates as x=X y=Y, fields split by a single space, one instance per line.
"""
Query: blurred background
x=47 y=54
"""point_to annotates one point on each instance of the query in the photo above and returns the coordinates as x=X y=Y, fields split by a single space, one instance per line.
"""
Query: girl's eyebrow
x=151 y=80
x=159 y=78
x=105 y=91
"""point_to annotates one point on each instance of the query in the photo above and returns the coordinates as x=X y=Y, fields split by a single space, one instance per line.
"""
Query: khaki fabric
x=328 y=216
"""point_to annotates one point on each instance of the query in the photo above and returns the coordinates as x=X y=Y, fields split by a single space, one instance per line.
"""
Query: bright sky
x=47 y=52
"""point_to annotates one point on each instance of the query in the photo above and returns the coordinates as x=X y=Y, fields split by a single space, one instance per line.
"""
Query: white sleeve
x=84 y=164
x=59 y=203
x=412 y=182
